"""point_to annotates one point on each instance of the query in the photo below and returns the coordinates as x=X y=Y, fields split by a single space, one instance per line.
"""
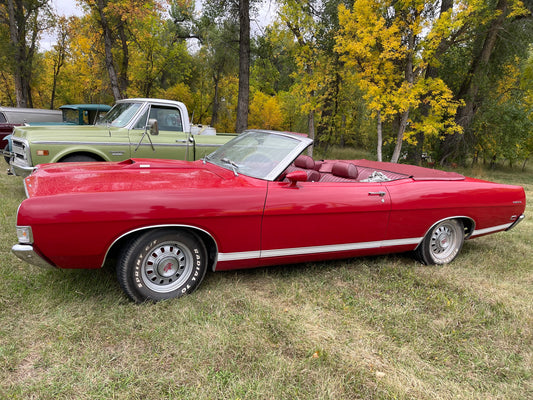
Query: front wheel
x=442 y=243
x=162 y=264
x=78 y=158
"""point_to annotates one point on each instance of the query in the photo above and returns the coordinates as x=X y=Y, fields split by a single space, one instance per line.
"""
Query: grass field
x=368 y=328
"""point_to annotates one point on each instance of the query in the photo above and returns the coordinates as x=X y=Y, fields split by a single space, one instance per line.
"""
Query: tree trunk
x=23 y=24
x=399 y=137
x=470 y=87
x=311 y=130
x=404 y=118
x=216 y=103
x=380 y=137
x=59 y=59
x=244 y=66
x=123 y=75
x=108 y=46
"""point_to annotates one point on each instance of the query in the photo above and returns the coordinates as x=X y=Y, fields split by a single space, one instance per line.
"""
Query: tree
x=297 y=17
x=493 y=22
x=390 y=44
x=244 y=66
x=116 y=21
x=26 y=20
x=60 y=50
x=229 y=10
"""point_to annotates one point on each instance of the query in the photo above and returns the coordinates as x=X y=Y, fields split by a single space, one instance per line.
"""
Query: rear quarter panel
x=418 y=205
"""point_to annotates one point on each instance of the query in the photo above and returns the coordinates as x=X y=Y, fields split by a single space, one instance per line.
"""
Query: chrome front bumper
x=21 y=170
x=26 y=253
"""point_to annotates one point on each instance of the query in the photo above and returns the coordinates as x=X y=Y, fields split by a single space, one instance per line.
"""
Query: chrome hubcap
x=444 y=243
x=166 y=267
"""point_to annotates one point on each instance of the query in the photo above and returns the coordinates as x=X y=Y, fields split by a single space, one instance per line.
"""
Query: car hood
x=126 y=176
x=66 y=132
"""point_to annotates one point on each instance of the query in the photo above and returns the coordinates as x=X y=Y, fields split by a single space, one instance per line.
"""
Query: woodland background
x=448 y=81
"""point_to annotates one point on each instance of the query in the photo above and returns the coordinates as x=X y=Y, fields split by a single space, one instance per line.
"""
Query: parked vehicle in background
x=83 y=114
x=71 y=114
x=142 y=128
x=255 y=201
x=13 y=116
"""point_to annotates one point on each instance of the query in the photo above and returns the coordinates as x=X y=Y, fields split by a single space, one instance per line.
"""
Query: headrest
x=344 y=170
x=304 y=161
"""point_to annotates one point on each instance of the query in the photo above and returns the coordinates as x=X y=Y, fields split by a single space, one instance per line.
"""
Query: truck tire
x=79 y=158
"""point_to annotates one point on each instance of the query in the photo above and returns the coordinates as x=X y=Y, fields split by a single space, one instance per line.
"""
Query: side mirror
x=297 y=176
x=154 y=127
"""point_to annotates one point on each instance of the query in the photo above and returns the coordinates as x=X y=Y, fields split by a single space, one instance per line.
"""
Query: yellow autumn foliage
x=265 y=112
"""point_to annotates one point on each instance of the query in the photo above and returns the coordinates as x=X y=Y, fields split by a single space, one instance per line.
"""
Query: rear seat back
x=340 y=172
x=307 y=164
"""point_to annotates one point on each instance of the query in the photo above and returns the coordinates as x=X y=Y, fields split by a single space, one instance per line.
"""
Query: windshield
x=70 y=116
x=120 y=115
x=259 y=154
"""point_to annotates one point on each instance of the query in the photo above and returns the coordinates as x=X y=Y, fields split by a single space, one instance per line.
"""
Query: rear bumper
x=516 y=222
x=26 y=253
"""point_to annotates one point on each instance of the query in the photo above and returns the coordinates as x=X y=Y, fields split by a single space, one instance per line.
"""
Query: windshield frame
x=239 y=166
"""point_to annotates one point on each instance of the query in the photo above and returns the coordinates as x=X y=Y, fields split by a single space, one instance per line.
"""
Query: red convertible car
x=256 y=201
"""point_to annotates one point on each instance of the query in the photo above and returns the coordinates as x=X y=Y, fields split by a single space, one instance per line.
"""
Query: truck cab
x=133 y=128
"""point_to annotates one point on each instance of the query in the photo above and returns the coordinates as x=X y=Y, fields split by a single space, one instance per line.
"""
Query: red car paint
x=78 y=212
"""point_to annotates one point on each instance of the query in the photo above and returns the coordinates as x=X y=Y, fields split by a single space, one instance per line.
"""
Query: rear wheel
x=162 y=264
x=442 y=243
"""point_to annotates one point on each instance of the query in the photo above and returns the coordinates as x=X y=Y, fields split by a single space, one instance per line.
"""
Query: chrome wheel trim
x=445 y=242
x=167 y=266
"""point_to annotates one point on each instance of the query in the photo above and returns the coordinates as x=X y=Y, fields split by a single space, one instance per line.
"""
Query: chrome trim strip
x=162 y=226
x=243 y=255
x=283 y=164
x=105 y=143
x=484 y=231
x=467 y=236
x=208 y=145
x=297 y=251
x=83 y=143
x=164 y=145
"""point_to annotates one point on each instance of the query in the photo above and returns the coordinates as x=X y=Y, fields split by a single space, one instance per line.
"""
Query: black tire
x=79 y=158
x=442 y=243
x=162 y=264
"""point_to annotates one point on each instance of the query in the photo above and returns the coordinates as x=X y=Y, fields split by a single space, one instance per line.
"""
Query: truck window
x=168 y=118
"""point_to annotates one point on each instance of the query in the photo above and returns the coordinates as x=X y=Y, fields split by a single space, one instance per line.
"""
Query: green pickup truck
x=133 y=128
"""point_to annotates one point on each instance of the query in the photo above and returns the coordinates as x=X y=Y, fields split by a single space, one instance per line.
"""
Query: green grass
x=367 y=328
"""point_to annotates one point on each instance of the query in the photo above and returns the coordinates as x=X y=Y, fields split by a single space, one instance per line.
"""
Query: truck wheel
x=79 y=158
x=442 y=243
x=162 y=264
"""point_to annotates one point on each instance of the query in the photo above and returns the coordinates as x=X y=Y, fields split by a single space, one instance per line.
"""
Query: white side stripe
x=297 y=251
x=244 y=255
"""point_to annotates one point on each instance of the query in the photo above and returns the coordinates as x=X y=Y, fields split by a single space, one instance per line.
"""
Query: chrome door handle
x=380 y=194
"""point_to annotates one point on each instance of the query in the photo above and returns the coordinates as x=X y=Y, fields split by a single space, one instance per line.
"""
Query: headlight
x=24 y=234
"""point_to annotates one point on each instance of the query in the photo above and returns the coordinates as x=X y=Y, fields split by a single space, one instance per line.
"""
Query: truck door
x=170 y=143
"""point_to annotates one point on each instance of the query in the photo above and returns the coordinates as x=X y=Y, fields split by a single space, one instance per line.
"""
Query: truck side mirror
x=154 y=127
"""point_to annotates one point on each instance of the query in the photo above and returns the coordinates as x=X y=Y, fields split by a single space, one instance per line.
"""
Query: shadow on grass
x=311 y=270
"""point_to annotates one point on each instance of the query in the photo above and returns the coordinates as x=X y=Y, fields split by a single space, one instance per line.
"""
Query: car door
x=170 y=143
x=313 y=220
